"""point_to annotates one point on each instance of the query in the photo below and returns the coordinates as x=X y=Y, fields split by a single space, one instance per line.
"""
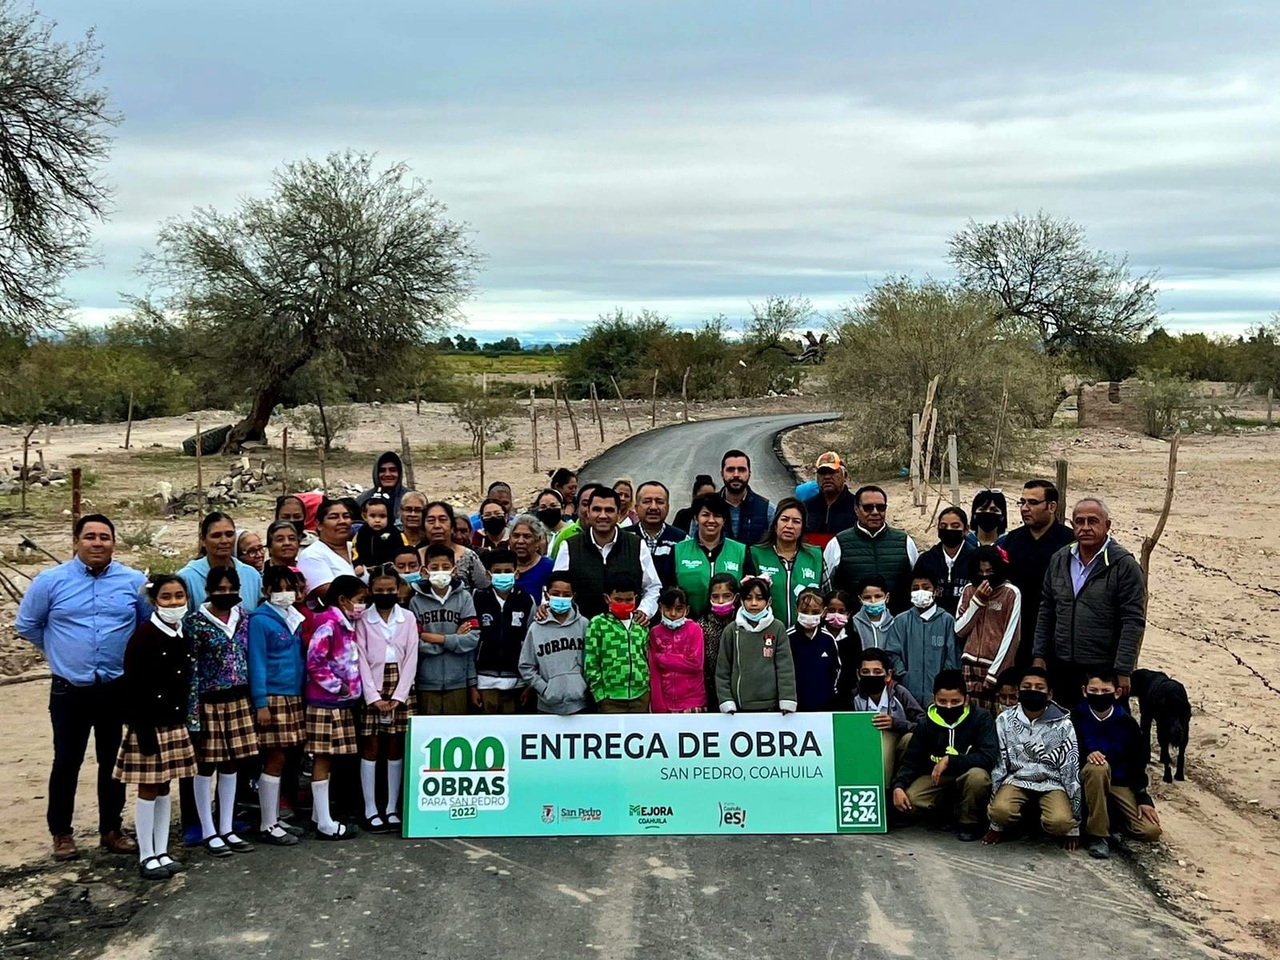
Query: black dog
x=1163 y=701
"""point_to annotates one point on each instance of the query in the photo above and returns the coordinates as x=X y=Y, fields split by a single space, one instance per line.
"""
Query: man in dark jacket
x=749 y=513
x=653 y=502
x=1030 y=547
x=831 y=509
x=949 y=759
x=1092 y=607
x=388 y=479
x=1113 y=768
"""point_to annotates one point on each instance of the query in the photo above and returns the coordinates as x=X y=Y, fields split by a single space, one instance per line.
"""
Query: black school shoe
x=345 y=831
x=282 y=839
x=236 y=844
x=151 y=869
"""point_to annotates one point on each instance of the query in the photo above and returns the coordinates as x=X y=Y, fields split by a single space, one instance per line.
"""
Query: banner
x=610 y=774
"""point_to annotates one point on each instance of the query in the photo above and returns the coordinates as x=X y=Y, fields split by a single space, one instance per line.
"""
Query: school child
x=835 y=614
x=922 y=641
x=378 y=540
x=676 y=651
x=722 y=608
x=989 y=622
x=897 y=712
x=754 y=671
x=447 y=637
x=333 y=690
x=815 y=654
x=276 y=674
x=1007 y=690
x=505 y=612
x=872 y=621
x=387 y=648
x=218 y=631
x=159 y=709
x=551 y=661
x=615 y=661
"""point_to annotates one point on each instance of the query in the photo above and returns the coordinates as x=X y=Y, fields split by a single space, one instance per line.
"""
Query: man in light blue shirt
x=81 y=615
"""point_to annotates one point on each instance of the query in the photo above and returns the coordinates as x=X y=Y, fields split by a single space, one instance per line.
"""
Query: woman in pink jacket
x=675 y=658
x=387 y=645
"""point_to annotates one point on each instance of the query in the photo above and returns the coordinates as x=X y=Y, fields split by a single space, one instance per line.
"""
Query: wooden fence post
x=953 y=464
x=406 y=460
x=595 y=409
x=128 y=427
x=1062 y=487
x=77 y=478
x=533 y=424
x=995 y=447
x=622 y=400
x=26 y=464
x=573 y=422
x=199 y=471
x=555 y=413
x=928 y=463
x=1149 y=543
x=284 y=454
x=684 y=393
x=653 y=403
x=1271 y=395
x=915 y=460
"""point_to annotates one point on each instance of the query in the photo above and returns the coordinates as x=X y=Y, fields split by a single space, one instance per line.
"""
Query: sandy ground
x=1214 y=625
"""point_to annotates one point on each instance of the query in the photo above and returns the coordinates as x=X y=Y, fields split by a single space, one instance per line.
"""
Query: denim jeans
x=74 y=712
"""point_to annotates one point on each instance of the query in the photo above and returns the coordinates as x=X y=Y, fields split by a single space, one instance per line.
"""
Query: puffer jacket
x=675 y=668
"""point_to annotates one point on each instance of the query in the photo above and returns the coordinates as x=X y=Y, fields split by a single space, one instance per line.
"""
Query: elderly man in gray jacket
x=1092 y=611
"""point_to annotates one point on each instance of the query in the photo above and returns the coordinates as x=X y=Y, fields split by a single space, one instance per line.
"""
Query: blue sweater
x=276 y=657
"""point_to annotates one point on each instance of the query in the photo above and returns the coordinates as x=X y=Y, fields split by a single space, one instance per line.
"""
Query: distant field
x=473 y=364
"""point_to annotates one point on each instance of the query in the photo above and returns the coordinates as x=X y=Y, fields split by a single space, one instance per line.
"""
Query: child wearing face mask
x=676 y=651
x=616 y=660
x=551 y=662
x=872 y=621
x=505 y=611
x=989 y=622
x=219 y=634
x=754 y=671
x=815 y=653
x=387 y=653
x=447 y=638
x=276 y=658
x=835 y=613
x=334 y=688
x=922 y=641
x=721 y=609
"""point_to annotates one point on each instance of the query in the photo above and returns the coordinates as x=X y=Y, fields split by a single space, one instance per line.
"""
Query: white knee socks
x=268 y=801
x=144 y=817
x=369 y=786
x=226 y=802
x=202 y=787
x=395 y=775
x=164 y=814
x=320 y=806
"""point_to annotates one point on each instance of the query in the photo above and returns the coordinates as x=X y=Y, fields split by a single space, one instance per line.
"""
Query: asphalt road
x=909 y=894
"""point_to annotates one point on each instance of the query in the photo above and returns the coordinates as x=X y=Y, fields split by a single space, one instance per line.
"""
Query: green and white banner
x=530 y=776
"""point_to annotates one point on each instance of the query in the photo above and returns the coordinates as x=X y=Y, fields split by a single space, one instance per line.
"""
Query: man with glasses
x=1029 y=547
x=872 y=548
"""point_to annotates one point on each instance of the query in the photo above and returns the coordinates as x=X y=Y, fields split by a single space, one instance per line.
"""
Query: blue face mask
x=874 y=609
x=503 y=581
x=560 y=604
x=674 y=624
x=410 y=578
x=753 y=617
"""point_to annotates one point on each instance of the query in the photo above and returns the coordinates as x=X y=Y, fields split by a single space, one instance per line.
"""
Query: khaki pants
x=1101 y=796
x=1055 y=809
x=893 y=747
x=969 y=792
x=500 y=701
x=435 y=703
x=639 y=705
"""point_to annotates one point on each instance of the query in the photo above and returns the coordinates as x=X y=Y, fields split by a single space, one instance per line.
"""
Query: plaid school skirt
x=331 y=730
x=288 y=725
x=176 y=758
x=370 y=716
x=975 y=677
x=227 y=732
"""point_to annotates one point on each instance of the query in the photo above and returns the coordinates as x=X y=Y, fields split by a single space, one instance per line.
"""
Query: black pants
x=75 y=711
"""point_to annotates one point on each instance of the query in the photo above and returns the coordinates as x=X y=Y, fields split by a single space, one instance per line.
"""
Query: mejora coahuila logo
x=650 y=817
x=463 y=775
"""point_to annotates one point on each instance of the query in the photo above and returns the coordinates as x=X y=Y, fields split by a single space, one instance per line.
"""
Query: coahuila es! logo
x=651 y=817
x=732 y=815
x=463 y=775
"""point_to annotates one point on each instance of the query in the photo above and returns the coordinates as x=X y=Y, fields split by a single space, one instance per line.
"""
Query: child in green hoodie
x=754 y=670
x=616 y=659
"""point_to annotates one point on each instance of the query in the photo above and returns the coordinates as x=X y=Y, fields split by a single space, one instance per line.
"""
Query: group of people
x=320 y=637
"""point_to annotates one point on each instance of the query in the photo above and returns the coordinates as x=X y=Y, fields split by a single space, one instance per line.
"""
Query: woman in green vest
x=707 y=553
x=790 y=564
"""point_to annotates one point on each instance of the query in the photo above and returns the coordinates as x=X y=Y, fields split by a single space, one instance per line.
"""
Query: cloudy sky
x=696 y=156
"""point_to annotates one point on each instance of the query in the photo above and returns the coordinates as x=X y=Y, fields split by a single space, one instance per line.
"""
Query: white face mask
x=440 y=578
x=922 y=599
x=808 y=620
x=282 y=599
x=171 y=615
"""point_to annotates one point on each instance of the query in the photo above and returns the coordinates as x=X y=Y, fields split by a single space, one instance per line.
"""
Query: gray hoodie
x=551 y=663
x=452 y=665
x=872 y=634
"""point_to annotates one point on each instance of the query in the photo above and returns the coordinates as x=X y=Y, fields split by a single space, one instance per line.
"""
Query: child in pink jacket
x=387 y=647
x=675 y=658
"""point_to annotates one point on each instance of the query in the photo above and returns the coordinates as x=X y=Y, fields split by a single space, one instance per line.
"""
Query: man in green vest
x=602 y=550
x=872 y=548
x=707 y=553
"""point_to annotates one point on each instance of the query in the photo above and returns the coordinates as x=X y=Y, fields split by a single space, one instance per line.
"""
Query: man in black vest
x=1029 y=547
x=872 y=548
x=749 y=513
x=603 y=549
x=653 y=502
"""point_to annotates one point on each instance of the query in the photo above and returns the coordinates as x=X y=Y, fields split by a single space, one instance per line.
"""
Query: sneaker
x=1100 y=849
x=969 y=833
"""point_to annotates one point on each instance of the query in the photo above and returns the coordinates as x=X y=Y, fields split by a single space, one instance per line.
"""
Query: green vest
x=862 y=556
x=805 y=571
x=589 y=570
x=694 y=570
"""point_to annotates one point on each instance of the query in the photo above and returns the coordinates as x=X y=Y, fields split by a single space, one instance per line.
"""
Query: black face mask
x=871 y=687
x=550 y=516
x=1033 y=700
x=949 y=714
x=1102 y=702
x=951 y=538
x=223 y=601
x=385 y=601
x=987 y=522
x=494 y=525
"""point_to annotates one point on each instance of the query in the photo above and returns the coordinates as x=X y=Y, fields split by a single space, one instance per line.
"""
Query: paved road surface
x=910 y=894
